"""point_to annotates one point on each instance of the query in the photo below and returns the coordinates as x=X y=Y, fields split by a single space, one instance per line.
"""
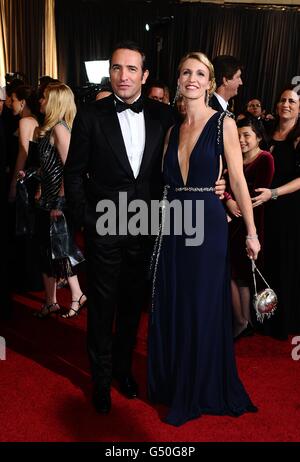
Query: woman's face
x=248 y=139
x=16 y=105
x=43 y=103
x=288 y=105
x=193 y=79
x=254 y=107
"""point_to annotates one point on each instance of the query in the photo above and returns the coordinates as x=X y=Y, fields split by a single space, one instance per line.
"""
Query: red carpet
x=45 y=389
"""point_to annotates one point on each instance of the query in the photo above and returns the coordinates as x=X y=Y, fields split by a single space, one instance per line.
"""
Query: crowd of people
x=245 y=171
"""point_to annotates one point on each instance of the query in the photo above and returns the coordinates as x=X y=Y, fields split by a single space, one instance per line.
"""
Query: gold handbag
x=265 y=301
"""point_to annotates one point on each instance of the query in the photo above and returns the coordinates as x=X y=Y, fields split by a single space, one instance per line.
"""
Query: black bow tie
x=137 y=106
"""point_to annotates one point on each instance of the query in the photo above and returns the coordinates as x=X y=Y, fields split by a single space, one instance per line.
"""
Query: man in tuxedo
x=116 y=146
x=228 y=72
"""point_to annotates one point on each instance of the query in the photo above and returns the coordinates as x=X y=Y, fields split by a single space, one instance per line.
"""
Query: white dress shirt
x=134 y=135
x=222 y=101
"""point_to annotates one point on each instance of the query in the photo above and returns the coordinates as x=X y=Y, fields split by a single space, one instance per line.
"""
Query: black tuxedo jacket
x=214 y=104
x=97 y=165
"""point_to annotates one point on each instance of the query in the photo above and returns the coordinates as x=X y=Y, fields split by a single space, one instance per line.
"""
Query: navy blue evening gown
x=191 y=363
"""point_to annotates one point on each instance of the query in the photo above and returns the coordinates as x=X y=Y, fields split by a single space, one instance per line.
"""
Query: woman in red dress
x=258 y=171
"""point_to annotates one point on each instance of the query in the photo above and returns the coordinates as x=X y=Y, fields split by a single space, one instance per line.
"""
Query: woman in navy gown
x=191 y=358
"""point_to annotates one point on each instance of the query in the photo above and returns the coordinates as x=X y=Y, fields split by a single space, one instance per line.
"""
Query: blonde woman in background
x=57 y=103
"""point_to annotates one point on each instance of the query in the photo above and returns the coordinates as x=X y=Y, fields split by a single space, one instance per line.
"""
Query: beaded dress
x=191 y=366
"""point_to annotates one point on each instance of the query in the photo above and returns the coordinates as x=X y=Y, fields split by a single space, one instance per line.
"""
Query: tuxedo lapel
x=215 y=104
x=152 y=129
x=111 y=127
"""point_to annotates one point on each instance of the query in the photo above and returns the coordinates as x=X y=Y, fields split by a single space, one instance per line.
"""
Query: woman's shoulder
x=229 y=123
x=60 y=129
x=61 y=123
x=265 y=159
x=266 y=154
x=28 y=122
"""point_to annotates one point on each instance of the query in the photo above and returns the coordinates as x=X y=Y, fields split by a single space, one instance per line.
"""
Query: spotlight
x=159 y=23
x=96 y=70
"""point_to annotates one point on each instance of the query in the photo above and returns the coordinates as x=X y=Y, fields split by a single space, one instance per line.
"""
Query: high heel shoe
x=46 y=311
x=73 y=312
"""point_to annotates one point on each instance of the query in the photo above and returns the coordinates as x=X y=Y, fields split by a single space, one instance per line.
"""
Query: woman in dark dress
x=282 y=218
x=191 y=357
x=24 y=104
x=258 y=171
x=57 y=103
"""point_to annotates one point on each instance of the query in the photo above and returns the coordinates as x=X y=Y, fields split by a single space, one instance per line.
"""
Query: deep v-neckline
x=192 y=151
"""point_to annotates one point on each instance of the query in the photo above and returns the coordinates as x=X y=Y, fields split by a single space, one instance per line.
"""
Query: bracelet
x=252 y=236
x=274 y=193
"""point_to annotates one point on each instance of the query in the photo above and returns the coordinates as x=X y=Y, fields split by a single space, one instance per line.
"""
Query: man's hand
x=220 y=186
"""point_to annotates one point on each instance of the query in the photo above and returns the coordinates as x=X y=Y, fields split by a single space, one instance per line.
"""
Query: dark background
x=265 y=40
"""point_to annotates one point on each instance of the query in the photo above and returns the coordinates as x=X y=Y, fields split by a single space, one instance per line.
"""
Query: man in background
x=156 y=91
x=228 y=72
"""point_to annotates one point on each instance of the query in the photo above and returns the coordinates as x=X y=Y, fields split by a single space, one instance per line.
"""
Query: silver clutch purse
x=265 y=301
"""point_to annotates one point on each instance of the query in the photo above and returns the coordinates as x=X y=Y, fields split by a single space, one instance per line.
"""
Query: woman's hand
x=252 y=247
x=233 y=208
x=21 y=174
x=264 y=196
x=54 y=214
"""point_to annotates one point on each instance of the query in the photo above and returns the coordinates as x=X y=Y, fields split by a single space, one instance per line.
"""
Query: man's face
x=254 y=107
x=234 y=83
x=156 y=93
x=126 y=74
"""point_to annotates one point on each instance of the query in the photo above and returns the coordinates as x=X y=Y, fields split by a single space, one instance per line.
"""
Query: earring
x=177 y=94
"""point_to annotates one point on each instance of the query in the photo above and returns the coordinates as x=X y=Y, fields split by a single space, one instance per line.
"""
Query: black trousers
x=116 y=272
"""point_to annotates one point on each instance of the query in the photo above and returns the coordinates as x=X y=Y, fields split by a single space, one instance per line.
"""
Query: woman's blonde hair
x=60 y=105
x=202 y=58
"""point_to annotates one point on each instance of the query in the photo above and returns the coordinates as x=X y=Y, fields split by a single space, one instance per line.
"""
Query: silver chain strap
x=254 y=268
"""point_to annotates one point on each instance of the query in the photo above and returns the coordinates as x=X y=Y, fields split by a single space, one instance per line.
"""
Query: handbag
x=25 y=204
x=265 y=301
x=62 y=243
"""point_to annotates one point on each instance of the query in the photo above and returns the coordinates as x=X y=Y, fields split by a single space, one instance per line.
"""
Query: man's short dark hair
x=225 y=66
x=155 y=84
x=129 y=45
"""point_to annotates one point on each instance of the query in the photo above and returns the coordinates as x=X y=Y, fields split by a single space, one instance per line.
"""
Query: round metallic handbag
x=265 y=301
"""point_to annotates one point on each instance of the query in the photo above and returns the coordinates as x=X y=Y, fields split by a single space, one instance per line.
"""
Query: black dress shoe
x=102 y=400
x=128 y=387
